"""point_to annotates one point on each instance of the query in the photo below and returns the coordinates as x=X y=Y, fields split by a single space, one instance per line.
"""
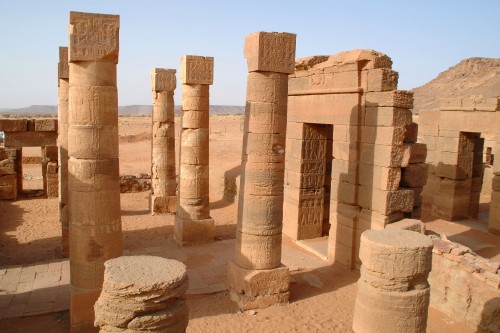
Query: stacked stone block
x=8 y=175
x=93 y=169
x=143 y=294
x=40 y=132
x=494 y=222
x=393 y=293
x=459 y=137
x=163 y=197
x=193 y=223
x=355 y=93
x=62 y=141
x=256 y=278
x=50 y=171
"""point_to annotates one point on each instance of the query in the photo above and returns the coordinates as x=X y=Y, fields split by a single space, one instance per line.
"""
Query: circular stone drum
x=143 y=293
x=393 y=293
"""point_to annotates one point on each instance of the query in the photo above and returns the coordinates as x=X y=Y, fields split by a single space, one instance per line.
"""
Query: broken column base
x=258 y=288
x=188 y=231
x=82 y=309
x=163 y=205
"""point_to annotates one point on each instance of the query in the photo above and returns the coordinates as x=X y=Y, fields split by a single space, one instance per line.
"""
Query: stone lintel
x=197 y=69
x=270 y=52
x=258 y=288
x=30 y=139
x=163 y=79
x=93 y=37
x=190 y=231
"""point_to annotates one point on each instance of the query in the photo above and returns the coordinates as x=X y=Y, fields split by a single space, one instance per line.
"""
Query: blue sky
x=423 y=38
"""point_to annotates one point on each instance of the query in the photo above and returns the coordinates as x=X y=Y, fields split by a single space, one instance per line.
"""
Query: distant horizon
x=422 y=38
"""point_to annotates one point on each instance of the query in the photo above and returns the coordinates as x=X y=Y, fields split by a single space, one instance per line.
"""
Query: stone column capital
x=270 y=52
x=197 y=70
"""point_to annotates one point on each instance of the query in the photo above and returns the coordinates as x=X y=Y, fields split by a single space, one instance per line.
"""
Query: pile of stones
x=143 y=293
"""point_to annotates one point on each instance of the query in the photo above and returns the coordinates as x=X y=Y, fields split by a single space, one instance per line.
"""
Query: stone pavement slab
x=44 y=287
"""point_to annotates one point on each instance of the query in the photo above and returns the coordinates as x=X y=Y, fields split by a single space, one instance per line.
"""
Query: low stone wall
x=135 y=183
x=465 y=286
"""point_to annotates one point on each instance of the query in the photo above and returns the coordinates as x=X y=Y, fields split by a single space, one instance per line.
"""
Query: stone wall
x=460 y=139
x=465 y=286
x=351 y=156
x=8 y=178
x=39 y=132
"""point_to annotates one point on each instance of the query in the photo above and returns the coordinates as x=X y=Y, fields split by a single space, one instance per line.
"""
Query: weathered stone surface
x=197 y=70
x=30 y=139
x=93 y=190
x=163 y=79
x=397 y=254
x=188 y=231
x=143 y=293
x=270 y=52
x=8 y=187
x=393 y=292
x=255 y=289
x=13 y=125
x=84 y=27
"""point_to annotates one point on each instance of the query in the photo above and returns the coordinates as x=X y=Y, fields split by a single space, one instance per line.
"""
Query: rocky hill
x=473 y=76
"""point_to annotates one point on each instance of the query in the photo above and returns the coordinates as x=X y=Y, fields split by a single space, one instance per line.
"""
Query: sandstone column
x=193 y=223
x=62 y=115
x=393 y=293
x=163 y=197
x=271 y=57
x=494 y=219
x=143 y=294
x=95 y=231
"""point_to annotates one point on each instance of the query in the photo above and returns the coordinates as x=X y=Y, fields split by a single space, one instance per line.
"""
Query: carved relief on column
x=163 y=197
x=193 y=223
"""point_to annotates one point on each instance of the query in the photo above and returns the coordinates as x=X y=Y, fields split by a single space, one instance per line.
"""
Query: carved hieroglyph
x=193 y=223
x=93 y=169
x=93 y=37
x=163 y=197
x=270 y=52
x=260 y=211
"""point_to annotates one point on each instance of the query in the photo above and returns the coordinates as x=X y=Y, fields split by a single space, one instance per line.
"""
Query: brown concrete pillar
x=193 y=223
x=163 y=197
x=271 y=57
x=393 y=293
x=62 y=139
x=95 y=231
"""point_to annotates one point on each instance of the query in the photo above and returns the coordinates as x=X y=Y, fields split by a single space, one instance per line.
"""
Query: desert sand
x=322 y=300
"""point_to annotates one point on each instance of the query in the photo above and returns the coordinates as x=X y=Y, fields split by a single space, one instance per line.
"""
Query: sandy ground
x=321 y=300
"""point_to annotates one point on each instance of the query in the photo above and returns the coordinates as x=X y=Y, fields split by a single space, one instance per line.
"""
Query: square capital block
x=270 y=52
x=63 y=68
x=163 y=79
x=197 y=69
x=93 y=37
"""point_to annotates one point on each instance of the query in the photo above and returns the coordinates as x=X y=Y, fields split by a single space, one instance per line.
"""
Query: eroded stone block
x=197 y=70
x=163 y=79
x=270 y=52
x=93 y=37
